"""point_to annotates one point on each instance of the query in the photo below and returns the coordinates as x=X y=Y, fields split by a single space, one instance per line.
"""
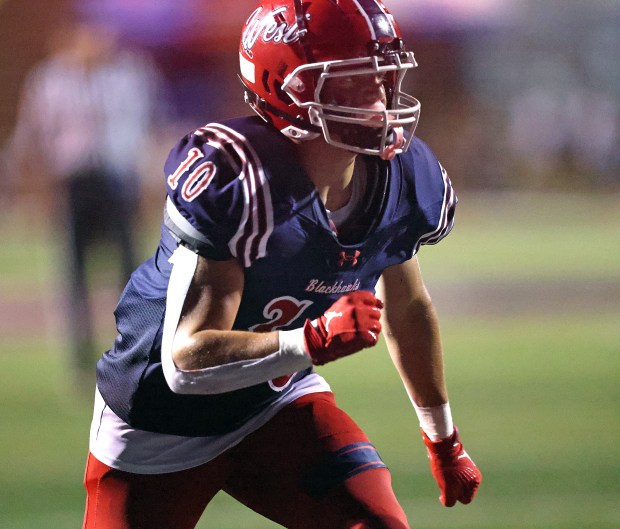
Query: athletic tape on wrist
x=292 y=344
x=436 y=421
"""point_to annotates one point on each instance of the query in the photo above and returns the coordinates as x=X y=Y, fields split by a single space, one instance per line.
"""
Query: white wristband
x=292 y=344
x=436 y=421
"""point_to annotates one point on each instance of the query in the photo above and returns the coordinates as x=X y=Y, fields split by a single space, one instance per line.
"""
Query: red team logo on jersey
x=281 y=312
x=345 y=258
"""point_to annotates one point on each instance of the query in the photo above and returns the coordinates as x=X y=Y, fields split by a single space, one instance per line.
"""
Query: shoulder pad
x=219 y=200
x=435 y=197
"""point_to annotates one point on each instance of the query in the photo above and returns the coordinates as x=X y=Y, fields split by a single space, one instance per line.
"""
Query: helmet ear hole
x=277 y=87
x=265 y=81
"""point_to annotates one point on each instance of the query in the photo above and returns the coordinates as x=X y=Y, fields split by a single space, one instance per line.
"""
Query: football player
x=289 y=240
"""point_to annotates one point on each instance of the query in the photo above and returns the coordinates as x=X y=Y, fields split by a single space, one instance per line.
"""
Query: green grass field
x=534 y=385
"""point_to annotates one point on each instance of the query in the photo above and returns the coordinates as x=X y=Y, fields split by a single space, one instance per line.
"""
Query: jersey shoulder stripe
x=446 y=218
x=256 y=224
x=431 y=193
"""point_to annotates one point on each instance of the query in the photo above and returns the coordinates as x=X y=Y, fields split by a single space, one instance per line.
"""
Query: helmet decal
x=270 y=28
x=379 y=23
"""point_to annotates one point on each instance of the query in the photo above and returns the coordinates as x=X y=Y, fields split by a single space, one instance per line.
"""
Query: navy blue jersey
x=237 y=191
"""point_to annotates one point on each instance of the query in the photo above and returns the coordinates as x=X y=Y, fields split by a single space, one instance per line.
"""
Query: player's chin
x=365 y=137
x=357 y=135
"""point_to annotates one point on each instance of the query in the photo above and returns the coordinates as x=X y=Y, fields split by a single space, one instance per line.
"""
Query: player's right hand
x=350 y=325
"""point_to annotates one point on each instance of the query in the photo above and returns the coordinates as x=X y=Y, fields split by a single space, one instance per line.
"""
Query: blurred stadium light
x=450 y=15
x=547 y=89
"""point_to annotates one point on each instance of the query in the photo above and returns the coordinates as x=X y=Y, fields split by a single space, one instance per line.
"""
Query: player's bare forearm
x=411 y=331
x=417 y=354
x=204 y=337
x=215 y=347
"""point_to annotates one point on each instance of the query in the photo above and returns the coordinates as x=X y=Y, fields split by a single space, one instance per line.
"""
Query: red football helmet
x=307 y=66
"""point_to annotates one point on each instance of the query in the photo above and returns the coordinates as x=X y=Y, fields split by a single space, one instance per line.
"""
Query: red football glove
x=456 y=474
x=351 y=324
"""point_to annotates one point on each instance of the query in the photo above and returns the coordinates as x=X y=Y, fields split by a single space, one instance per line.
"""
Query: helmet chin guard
x=292 y=52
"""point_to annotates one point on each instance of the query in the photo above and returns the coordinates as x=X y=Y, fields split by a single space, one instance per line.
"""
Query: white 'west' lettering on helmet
x=268 y=29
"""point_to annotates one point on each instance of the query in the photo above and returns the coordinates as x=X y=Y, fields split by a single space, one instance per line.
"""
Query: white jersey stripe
x=250 y=240
x=246 y=218
x=251 y=191
x=446 y=221
x=262 y=189
x=220 y=143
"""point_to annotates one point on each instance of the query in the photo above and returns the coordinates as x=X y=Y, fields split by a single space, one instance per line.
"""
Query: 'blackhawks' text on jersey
x=236 y=190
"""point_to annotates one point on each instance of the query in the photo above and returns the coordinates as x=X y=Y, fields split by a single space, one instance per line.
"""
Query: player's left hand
x=454 y=471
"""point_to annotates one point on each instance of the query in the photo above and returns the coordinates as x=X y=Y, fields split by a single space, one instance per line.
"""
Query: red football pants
x=310 y=467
